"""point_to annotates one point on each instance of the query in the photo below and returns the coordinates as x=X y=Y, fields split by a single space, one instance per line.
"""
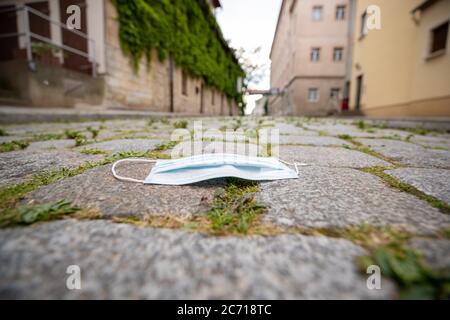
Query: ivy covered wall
x=185 y=29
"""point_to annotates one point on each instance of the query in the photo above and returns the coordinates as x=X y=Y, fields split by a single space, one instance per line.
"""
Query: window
x=313 y=95
x=340 y=12
x=335 y=93
x=439 y=37
x=184 y=81
x=337 y=54
x=364 y=29
x=315 y=54
x=317 y=13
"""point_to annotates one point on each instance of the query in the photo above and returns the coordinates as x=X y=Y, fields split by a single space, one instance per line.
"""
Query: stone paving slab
x=435 y=252
x=329 y=157
x=271 y=135
x=51 y=144
x=437 y=123
x=55 y=127
x=313 y=141
x=352 y=130
x=107 y=134
x=126 y=262
x=6 y=139
x=288 y=129
x=17 y=166
x=338 y=197
x=60 y=127
x=98 y=189
x=433 y=142
x=123 y=145
x=409 y=153
x=189 y=148
x=224 y=136
x=211 y=124
x=135 y=134
x=434 y=182
x=128 y=124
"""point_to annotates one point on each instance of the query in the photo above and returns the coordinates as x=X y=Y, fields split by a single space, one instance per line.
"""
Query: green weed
x=13 y=146
x=29 y=214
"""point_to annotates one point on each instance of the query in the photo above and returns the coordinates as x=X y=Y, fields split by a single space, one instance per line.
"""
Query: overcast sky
x=250 y=24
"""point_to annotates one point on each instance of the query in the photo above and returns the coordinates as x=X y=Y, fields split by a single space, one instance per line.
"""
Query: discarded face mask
x=211 y=166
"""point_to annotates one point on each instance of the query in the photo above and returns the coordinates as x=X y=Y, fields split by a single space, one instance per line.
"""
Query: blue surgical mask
x=211 y=166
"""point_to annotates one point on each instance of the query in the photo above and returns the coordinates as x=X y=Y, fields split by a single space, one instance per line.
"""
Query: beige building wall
x=292 y=69
x=431 y=76
x=398 y=77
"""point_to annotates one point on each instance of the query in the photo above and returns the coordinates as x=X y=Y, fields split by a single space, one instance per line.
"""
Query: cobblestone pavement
x=369 y=195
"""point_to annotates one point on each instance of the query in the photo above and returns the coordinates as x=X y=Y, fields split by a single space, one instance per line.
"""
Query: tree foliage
x=255 y=71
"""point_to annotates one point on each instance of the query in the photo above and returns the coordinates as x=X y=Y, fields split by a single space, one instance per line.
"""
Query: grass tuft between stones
x=92 y=151
x=79 y=138
x=94 y=132
x=233 y=211
x=29 y=214
x=372 y=153
x=47 y=137
x=388 y=248
x=181 y=124
x=405 y=187
x=13 y=146
x=166 y=146
x=234 y=208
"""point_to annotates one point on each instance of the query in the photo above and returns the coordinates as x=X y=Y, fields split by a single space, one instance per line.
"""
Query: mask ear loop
x=113 y=169
x=294 y=164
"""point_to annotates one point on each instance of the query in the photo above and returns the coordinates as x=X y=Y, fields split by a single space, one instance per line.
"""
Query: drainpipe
x=171 y=87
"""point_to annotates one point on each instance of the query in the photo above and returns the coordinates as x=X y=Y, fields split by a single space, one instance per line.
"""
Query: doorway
x=359 y=88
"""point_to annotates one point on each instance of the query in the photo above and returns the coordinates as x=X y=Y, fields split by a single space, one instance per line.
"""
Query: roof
x=424 y=5
x=215 y=3
x=278 y=24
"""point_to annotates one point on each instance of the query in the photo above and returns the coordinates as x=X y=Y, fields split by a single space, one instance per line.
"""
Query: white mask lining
x=136 y=160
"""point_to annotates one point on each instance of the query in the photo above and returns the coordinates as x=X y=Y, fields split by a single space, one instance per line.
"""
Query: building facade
x=402 y=68
x=310 y=57
x=86 y=67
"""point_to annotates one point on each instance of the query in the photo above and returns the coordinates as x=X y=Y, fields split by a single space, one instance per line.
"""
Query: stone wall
x=149 y=88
